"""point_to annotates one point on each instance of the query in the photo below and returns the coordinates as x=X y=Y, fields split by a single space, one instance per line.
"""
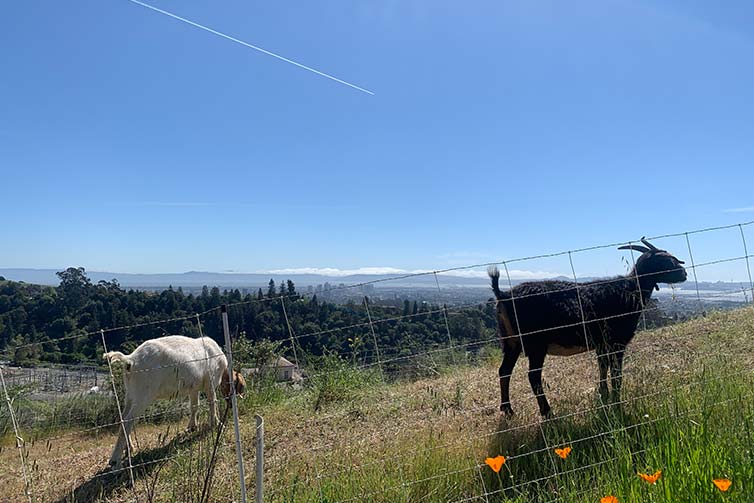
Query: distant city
x=386 y=289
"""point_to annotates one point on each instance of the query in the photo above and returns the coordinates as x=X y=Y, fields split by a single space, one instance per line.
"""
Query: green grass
x=693 y=433
x=351 y=435
x=698 y=431
x=334 y=380
x=687 y=411
x=75 y=412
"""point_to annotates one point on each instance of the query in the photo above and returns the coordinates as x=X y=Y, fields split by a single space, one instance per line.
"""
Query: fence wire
x=382 y=356
x=348 y=467
x=134 y=464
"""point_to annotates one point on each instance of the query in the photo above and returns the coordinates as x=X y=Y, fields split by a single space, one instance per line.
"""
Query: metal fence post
x=123 y=431
x=374 y=337
x=746 y=257
x=445 y=317
x=260 y=459
x=290 y=333
x=20 y=444
x=234 y=403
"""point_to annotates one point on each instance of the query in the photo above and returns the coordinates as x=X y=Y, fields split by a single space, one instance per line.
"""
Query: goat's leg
x=510 y=357
x=603 y=361
x=536 y=361
x=120 y=444
x=616 y=372
x=136 y=409
x=212 y=399
x=194 y=398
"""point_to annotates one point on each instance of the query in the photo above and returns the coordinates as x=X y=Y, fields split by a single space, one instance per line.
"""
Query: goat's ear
x=225 y=385
x=240 y=383
x=638 y=248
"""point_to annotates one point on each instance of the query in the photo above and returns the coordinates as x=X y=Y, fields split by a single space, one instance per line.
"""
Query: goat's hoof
x=546 y=414
x=507 y=410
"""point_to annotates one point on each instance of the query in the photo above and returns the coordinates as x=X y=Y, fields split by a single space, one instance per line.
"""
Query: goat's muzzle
x=239 y=383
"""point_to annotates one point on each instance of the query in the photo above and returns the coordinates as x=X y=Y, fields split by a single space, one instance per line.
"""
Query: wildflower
x=722 y=484
x=650 y=479
x=564 y=452
x=495 y=463
x=609 y=499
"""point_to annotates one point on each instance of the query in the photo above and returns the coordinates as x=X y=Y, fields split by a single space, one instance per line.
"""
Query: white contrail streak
x=250 y=46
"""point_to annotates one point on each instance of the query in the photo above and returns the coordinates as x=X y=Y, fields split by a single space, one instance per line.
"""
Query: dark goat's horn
x=637 y=248
x=649 y=245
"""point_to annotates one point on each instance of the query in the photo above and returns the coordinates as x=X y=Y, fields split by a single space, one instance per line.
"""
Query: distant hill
x=241 y=280
x=197 y=279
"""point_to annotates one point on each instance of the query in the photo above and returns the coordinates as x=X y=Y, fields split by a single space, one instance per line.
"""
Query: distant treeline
x=48 y=324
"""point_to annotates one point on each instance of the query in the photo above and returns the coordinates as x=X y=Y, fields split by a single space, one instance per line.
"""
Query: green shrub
x=333 y=379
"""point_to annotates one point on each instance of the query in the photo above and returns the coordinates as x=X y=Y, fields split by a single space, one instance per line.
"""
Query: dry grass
x=388 y=428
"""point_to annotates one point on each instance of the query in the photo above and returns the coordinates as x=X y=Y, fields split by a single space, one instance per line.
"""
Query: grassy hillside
x=349 y=436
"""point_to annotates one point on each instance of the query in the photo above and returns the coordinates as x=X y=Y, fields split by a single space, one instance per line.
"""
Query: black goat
x=551 y=322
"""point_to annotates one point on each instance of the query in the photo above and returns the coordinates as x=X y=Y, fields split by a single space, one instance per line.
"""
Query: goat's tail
x=117 y=356
x=505 y=327
x=495 y=277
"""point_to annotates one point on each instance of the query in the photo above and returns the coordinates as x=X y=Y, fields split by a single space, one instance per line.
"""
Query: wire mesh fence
x=394 y=404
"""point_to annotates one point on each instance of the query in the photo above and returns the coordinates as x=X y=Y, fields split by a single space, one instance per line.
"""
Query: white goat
x=170 y=367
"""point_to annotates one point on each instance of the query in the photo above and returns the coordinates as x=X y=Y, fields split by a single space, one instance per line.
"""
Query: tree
x=261 y=355
x=109 y=286
x=271 y=288
x=291 y=289
x=214 y=296
x=41 y=320
x=74 y=287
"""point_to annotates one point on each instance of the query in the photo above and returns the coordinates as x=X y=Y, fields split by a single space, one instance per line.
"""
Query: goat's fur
x=170 y=367
x=545 y=317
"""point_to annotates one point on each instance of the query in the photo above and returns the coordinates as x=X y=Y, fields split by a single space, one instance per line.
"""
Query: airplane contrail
x=251 y=46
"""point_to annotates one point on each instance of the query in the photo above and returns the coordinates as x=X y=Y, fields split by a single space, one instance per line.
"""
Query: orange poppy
x=722 y=484
x=609 y=499
x=495 y=463
x=651 y=479
x=564 y=452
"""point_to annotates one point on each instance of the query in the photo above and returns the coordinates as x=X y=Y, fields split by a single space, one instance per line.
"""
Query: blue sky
x=131 y=142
